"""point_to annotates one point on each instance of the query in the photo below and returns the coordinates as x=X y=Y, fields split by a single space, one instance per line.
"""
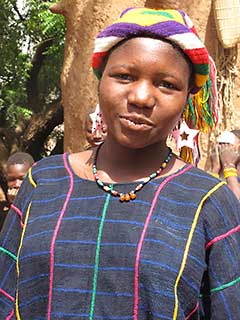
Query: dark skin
x=15 y=175
x=142 y=94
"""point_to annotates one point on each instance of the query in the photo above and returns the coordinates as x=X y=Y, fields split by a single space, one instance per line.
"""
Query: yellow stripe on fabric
x=17 y=265
x=185 y=255
x=147 y=17
x=33 y=183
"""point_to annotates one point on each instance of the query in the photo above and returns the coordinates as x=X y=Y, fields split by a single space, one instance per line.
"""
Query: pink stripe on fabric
x=6 y=295
x=140 y=244
x=56 y=233
x=192 y=312
x=10 y=315
x=19 y=213
x=225 y=235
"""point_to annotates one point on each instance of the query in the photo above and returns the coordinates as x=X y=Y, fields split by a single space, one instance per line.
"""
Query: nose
x=97 y=135
x=142 y=94
x=18 y=183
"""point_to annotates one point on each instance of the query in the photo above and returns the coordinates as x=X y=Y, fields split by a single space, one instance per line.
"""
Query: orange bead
x=164 y=165
x=127 y=197
x=133 y=196
x=122 y=197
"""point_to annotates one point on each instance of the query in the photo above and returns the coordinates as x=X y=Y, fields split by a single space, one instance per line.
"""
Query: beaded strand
x=132 y=194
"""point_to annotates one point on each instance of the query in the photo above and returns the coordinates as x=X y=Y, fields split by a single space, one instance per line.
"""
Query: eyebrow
x=121 y=66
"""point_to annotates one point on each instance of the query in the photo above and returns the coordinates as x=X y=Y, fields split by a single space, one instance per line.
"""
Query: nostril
x=142 y=96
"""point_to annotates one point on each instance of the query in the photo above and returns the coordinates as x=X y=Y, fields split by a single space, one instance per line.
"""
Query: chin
x=135 y=143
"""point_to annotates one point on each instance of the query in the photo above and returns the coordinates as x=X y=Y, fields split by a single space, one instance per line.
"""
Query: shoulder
x=193 y=177
x=214 y=187
x=50 y=167
x=218 y=203
x=201 y=187
x=49 y=161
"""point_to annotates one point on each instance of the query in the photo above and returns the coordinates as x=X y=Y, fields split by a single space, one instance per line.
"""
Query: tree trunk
x=32 y=83
x=39 y=128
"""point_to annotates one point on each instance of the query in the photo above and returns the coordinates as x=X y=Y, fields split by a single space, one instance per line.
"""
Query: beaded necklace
x=132 y=194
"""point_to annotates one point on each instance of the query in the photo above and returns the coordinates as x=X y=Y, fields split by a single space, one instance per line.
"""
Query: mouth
x=97 y=143
x=136 y=122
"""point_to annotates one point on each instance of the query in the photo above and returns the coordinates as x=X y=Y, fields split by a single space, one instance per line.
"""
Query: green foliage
x=21 y=32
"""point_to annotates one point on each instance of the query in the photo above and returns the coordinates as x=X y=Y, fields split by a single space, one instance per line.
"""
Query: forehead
x=149 y=50
x=15 y=170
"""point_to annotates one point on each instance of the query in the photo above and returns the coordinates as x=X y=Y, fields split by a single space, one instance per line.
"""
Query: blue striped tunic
x=71 y=251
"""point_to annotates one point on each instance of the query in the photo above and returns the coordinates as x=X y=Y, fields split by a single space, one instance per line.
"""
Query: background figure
x=17 y=167
x=16 y=170
x=95 y=129
x=225 y=159
x=128 y=230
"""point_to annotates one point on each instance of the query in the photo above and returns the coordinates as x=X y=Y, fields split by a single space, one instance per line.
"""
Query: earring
x=97 y=119
x=186 y=140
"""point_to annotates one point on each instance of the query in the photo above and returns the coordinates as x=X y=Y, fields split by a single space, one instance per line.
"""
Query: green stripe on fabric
x=100 y=231
x=10 y=254
x=224 y=286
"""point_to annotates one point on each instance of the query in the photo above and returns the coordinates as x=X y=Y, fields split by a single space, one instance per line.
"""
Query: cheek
x=107 y=98
x=108 y=102
x=11 y=183
x=172 y=109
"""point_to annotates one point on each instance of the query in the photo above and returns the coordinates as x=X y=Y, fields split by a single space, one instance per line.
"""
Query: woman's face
x=143 y=91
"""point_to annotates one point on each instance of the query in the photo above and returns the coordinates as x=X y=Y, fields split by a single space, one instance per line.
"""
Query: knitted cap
x=176 y=27
x=173 y=25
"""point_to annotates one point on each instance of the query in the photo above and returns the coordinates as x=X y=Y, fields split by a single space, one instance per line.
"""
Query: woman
x=127 y=230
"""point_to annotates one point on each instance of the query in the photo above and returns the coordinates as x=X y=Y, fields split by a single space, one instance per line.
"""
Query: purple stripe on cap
x=123 y=29
x=126 y=10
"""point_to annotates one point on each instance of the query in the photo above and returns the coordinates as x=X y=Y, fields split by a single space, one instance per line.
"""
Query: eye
x=104 y=129
x=125 y=77
x=167 y=85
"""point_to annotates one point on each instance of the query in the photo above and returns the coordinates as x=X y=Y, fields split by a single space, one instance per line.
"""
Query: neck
x=117 y=163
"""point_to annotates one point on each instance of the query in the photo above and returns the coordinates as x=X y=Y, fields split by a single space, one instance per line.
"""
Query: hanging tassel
x=202 y=113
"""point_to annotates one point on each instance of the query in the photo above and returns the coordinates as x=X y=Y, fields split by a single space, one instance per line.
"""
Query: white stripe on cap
x=106 y=43
x=187 y=41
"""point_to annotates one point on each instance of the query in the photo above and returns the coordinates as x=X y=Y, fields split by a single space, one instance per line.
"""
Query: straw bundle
x=227 y=19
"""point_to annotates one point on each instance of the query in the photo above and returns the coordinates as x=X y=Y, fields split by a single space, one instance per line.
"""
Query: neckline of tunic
x=158 y=179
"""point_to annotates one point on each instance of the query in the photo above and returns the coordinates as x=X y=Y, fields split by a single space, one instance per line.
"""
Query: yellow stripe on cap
x=150 y=17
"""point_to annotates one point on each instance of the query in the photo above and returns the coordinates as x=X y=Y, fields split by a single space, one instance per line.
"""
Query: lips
x=135 y=122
